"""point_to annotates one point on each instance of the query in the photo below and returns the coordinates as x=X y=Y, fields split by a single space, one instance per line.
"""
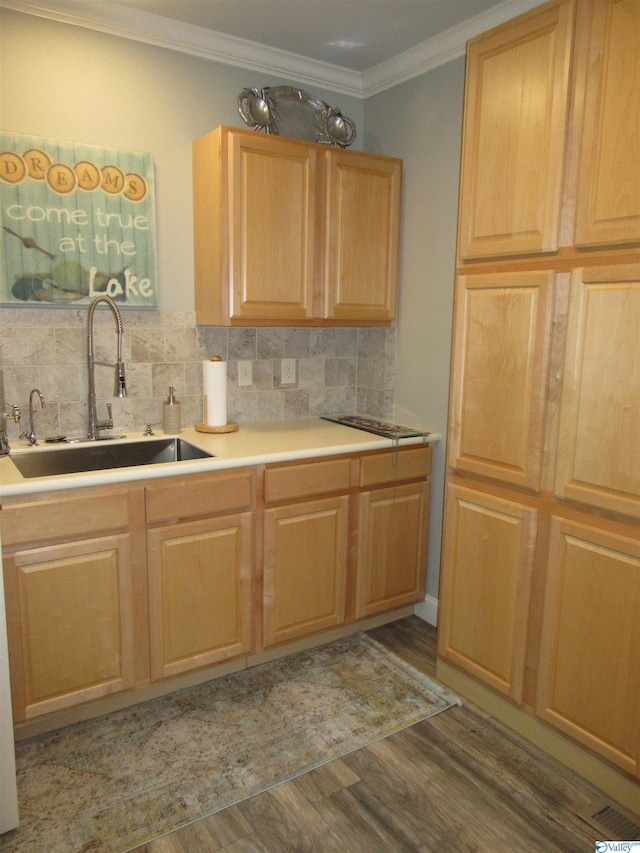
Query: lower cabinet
x=393 y=514
x=118 y=589
x=305 y=548
x=70 y=605
x=310 y=582
x=200 y=593
x=200 y=567
x=589 y=678
x=305 y=568
x=392 y=543
x=488 y=563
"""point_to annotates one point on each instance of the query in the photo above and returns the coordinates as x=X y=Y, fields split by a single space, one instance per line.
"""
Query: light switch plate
x=288 y=371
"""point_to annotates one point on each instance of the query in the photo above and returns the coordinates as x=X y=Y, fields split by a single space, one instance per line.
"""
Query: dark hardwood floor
x=458 y=781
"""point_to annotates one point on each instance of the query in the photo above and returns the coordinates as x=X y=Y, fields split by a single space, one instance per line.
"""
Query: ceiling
x=358 y=47
x=355 y=34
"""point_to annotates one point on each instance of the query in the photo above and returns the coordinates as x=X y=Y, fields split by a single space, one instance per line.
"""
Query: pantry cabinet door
x=517 y=89
x=598 y=457
x=362 y=233
x=272 y=197
x=70 y=624
x=589 y=681
x=498 y=390
x=200 y=593
x=608 y=194
x=487 y=566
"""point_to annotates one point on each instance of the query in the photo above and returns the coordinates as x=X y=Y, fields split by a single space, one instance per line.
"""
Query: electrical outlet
x=245 y=373
x=288 y=371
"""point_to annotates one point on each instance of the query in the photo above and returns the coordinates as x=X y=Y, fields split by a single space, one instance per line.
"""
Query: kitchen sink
x=98 y=456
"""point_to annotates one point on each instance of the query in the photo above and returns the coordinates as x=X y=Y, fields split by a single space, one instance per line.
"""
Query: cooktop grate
x=376 y=427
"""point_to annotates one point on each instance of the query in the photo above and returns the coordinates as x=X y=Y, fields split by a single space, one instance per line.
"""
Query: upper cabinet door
x=271 y=197
x=256 y=228
x=598 y=457
x=362 y=230
x=501 y=350
x=517 y=89
x=608 y=194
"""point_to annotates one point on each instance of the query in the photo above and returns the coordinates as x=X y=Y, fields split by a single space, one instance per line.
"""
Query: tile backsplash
x=338 y=370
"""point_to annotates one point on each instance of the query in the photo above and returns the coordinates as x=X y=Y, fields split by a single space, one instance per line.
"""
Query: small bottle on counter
x=171 y=413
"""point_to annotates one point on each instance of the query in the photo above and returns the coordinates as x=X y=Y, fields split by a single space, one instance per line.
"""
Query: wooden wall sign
x=77 y=220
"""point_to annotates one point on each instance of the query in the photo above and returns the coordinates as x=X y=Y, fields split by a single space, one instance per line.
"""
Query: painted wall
x=421 y=122
x=65 y=82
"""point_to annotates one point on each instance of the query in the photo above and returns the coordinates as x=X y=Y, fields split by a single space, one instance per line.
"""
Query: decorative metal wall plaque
x=285 y=111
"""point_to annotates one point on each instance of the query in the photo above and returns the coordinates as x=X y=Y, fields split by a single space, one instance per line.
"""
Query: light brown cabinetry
x=498 y=386
x=589 y=683
x=598 y=457
x=392 y=530
x=361 y=237
x=305 y=549
x=541 y=538
x=513 y=145
x=608 y=196
x=310 y=582
x=71 y=578
x=288 y=232
x=138 y=589
x=486 y=592
x=200 y=555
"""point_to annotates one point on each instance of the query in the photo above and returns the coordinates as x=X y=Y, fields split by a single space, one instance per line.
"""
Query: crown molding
x=440 y=49
x=124 y=22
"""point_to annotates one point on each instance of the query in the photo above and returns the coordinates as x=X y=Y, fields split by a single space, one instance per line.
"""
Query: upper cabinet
x=293 y=233
x=608 y=195
x=551 y=149
x=517 y=91
x=361 y=237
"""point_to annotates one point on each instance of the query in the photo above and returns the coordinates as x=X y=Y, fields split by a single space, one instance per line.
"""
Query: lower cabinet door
x=200 y=593
x=487 y=567
x=305 y=568
x=70 y=624
x=589 y=677
x=392 y=543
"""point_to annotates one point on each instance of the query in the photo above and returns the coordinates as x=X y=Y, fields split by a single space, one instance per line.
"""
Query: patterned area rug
x=119 y=781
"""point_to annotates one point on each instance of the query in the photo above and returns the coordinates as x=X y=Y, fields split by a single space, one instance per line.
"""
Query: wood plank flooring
x=455 y=783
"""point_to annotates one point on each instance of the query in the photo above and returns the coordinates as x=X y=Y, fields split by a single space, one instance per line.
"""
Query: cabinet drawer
x=311 y=478
x=68 y=515
x=413 y=463
x=198 y=495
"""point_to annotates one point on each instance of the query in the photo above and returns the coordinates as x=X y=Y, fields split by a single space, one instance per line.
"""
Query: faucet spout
x=120 y=382
x=31 y=434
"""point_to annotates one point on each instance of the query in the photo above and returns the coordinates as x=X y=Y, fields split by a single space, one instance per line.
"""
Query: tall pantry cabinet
x=540 y=586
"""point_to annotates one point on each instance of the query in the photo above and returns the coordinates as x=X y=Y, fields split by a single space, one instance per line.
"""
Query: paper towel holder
x=231 y=426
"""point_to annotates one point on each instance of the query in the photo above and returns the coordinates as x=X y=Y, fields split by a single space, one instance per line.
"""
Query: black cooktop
x=375 y=426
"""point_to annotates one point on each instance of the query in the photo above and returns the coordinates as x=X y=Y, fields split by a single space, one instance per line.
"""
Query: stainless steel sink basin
x=98 y=456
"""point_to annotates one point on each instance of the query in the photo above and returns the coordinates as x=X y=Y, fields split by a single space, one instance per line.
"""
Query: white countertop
x=253 y=444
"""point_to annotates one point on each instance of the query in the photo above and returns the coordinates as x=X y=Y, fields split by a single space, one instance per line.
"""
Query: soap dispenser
x=171 y=413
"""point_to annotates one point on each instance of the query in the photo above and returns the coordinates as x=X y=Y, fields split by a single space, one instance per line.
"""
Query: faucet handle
x=14 y=414
x=109 y=423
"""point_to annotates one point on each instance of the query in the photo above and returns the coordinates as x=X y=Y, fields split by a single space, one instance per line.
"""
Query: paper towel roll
x=214 y=387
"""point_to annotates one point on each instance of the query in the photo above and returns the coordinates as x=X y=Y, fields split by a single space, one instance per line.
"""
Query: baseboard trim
x=428 y=610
